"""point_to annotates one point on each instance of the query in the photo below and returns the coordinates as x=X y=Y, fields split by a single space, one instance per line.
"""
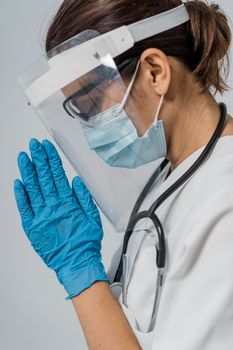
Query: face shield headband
x=86 y=57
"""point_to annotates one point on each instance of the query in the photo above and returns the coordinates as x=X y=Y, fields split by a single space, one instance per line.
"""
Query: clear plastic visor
x=81 y=104
x=101 y=90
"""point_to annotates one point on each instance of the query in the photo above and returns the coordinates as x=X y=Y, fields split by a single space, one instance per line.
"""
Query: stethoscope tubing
x=135 y=217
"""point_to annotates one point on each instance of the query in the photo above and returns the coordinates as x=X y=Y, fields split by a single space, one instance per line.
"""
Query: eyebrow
x=85 y=90
x=90 y=86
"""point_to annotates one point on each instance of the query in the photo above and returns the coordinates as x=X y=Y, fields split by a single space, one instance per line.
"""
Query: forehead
x=71 y=88
x=90 y=85
x=101 y=76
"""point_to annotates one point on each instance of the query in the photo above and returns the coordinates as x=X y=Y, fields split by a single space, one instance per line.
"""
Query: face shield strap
x=159 y=23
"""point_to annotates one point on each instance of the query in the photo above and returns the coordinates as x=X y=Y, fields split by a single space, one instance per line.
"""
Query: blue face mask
x=116 y=140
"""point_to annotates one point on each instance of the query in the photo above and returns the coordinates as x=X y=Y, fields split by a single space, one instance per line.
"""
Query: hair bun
x=212 y=38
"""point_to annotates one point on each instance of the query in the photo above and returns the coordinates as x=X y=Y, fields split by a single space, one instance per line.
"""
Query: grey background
x=34 y=314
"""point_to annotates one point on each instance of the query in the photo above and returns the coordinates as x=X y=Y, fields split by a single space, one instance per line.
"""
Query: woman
x=169 y=75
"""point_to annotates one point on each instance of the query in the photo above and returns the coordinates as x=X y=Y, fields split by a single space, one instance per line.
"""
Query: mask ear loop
x=158 y=110
x=129 y=88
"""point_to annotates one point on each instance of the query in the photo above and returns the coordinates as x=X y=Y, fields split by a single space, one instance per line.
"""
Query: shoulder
x=215 y=177
x=204 y=227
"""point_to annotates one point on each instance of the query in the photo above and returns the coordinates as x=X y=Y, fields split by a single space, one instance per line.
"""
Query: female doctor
x=171 y=75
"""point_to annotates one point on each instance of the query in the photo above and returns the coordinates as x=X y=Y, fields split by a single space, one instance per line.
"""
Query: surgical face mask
x=116 y=141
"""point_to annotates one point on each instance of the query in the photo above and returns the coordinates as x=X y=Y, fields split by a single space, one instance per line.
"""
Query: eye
x=95 y=107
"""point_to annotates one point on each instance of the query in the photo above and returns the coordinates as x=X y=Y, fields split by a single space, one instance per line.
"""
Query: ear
x=156 y=70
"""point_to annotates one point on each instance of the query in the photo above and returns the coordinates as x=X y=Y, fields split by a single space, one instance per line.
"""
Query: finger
x=29 y=177
x=60 y=179
x=44 y=174
x=85 y=199
x=23 y=204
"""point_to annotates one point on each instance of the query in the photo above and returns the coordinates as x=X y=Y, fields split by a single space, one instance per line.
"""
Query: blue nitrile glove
x=62 y=224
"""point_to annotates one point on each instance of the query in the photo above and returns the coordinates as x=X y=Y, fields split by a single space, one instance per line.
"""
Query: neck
x=195 y=120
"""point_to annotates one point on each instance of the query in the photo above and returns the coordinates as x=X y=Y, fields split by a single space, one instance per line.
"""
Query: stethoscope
x=137 y=216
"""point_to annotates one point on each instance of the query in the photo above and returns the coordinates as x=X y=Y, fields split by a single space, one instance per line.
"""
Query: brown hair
x=201 y=44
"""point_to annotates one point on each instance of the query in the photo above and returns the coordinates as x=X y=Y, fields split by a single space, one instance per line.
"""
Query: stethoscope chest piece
x=120 y=288
x=116 y=288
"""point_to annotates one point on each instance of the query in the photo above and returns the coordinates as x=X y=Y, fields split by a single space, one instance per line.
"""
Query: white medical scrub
x=196 y=306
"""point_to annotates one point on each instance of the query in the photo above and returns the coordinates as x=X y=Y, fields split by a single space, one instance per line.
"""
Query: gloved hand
x=62 y=223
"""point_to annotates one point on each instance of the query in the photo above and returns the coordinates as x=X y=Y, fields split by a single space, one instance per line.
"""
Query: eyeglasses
x=86 y=102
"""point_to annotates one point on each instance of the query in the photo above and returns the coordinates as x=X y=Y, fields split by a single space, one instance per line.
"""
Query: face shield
x=77 y=89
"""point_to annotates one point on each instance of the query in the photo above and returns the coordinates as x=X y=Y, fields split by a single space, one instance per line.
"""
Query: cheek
x=145 y=103
x=112 y=96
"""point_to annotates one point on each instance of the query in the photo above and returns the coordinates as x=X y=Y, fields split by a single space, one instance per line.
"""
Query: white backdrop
x=34 y=314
